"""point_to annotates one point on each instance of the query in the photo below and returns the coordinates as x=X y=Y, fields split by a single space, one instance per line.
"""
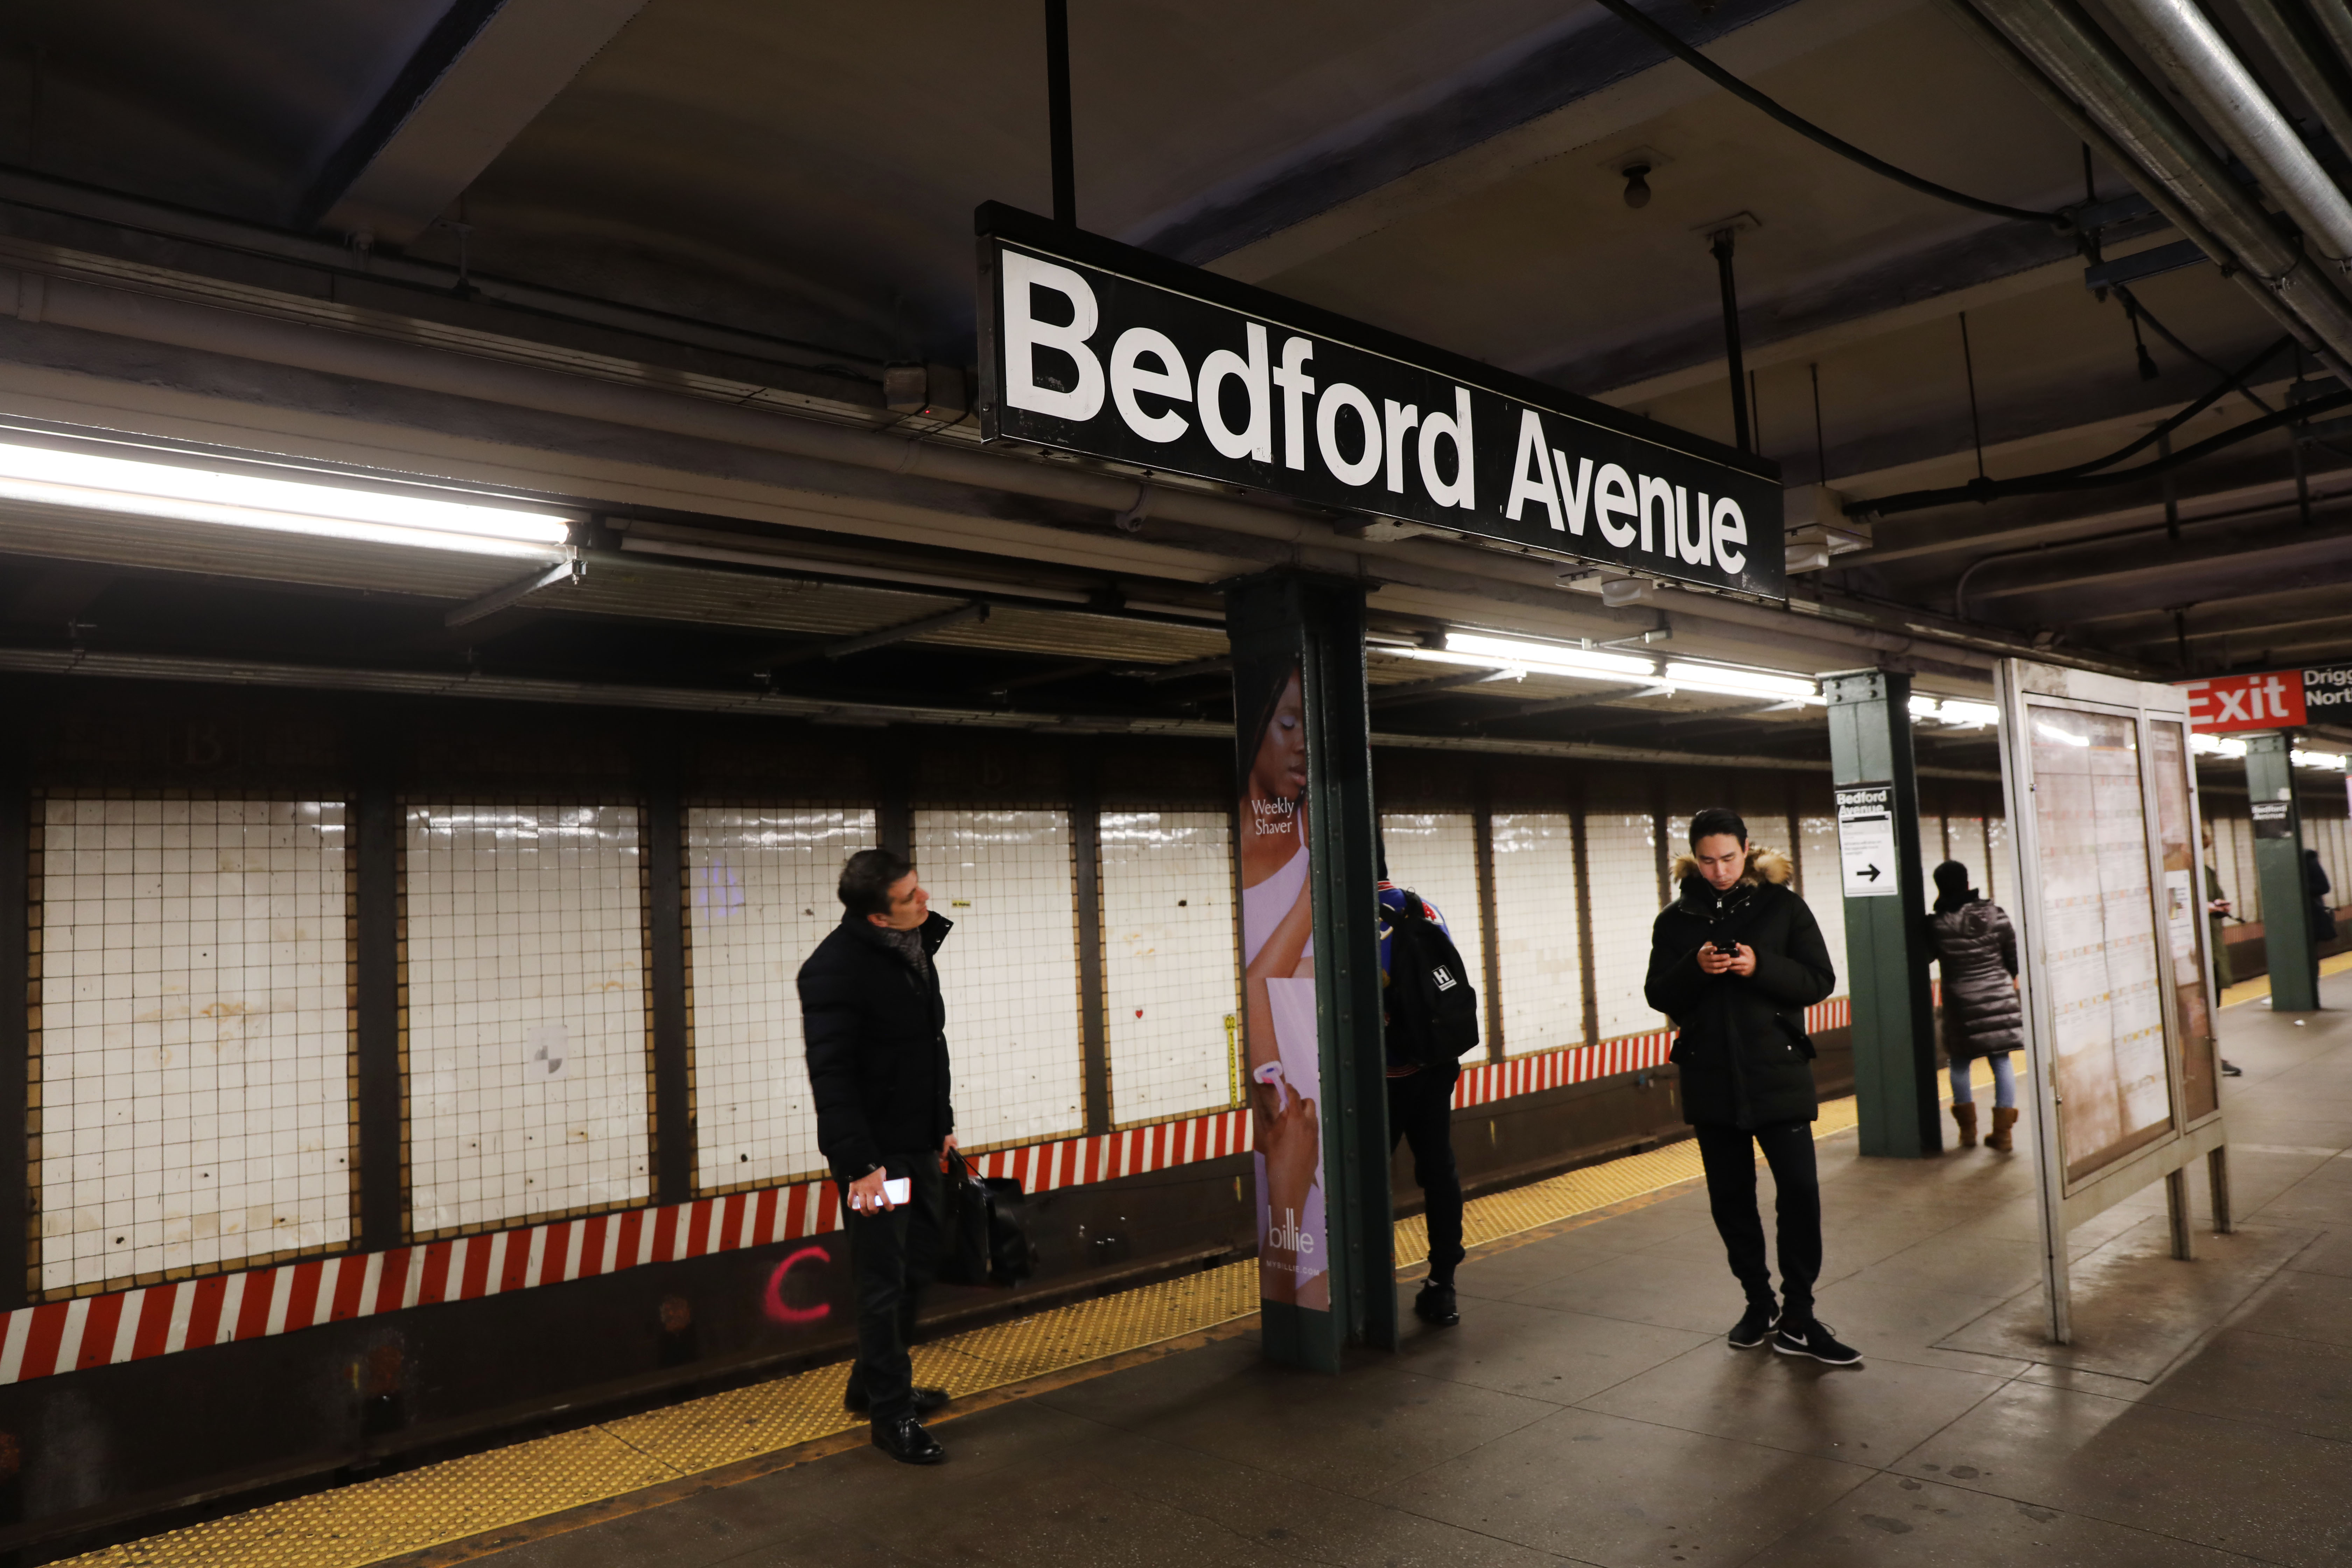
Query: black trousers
x=893 y=1254
x=1729 y=1156
x=1421 y=1112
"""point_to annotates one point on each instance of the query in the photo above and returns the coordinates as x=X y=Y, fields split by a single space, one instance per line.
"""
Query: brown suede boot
x=2004 y=1117
x=1966 y=1115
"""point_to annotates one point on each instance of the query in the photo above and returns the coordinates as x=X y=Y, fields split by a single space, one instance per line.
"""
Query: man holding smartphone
x=876 y=1028
x=1735 y=960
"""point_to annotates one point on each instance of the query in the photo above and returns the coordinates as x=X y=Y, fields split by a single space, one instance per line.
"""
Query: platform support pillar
x=2278 y=868
x=1885 y=956
x=1311 y=1018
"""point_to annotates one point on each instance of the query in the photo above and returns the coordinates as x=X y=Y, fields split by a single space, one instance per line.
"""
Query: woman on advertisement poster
x=1278 y=993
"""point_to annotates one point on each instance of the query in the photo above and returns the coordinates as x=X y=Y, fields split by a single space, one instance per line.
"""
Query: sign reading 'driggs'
x=1089 y=346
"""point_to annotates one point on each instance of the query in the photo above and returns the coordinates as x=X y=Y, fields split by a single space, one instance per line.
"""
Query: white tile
x=166 y=1014
x=1538 y=931
x=1009 y=972
x=761 y=894
x=1170 y=978
x=494 y=1137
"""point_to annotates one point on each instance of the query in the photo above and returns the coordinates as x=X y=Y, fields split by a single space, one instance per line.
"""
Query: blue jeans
x=2004 y=1083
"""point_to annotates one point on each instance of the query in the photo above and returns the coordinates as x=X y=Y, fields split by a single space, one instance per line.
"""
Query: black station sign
x=1092 y=347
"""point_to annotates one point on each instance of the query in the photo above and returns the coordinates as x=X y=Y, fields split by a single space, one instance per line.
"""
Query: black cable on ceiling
x=1635 y=17
x=2057 y=480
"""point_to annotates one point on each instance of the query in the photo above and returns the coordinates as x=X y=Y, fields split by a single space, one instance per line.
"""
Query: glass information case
x=2115 y=974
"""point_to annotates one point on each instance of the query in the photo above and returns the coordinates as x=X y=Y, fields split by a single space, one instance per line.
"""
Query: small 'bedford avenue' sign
x=1093 y=347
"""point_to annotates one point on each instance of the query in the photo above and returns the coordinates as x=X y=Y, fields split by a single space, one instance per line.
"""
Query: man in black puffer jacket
x=877 y=1062
x=1735 y=960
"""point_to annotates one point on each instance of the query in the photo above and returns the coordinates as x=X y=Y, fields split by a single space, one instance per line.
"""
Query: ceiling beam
x=483 y=73
x=1557 y=90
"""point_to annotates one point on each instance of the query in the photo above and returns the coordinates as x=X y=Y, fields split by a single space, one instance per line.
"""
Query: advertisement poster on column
x=1278 y=1012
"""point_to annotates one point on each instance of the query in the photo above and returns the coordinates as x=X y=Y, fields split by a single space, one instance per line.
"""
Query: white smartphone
x=901 y=1191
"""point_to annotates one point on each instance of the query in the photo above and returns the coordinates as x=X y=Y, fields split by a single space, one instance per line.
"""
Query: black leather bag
x=985 y=1243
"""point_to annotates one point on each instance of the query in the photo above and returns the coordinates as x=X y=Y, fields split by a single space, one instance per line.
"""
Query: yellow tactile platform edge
x=370 y=1521
x=2260 y=985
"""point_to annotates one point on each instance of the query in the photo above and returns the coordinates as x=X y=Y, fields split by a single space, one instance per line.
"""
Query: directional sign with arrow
x=1866 y=841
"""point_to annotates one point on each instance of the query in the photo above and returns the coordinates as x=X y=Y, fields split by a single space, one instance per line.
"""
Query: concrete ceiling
x=1448 y=171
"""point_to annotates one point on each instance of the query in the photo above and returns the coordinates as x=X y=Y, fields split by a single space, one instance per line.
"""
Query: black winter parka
x=1977 y=948
x=1745 y=1057
x=878 y=1047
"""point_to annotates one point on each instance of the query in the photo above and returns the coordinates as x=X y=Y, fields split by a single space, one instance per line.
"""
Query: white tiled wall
x=1010 y=970
x=762 y=892
x=2000 y=884
x=1171 y=983
x=527 y=1037
x=1931 y=855
x=195 y=1046
x=2325 y=833
x=1964 y=840
x=1537 y=919
x=1823 y=888
x=2249 y=879
x=1621 y=851
x=1437 y=855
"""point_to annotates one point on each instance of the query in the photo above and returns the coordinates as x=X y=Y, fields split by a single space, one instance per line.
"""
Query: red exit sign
x=2227 y=702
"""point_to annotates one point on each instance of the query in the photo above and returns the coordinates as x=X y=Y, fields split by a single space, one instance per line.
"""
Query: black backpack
x=1433 y=1009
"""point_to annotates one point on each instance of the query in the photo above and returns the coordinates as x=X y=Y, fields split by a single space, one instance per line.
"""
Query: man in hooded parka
x=1735 y=960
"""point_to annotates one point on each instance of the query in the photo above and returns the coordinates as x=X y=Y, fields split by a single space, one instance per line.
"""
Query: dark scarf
x=908 y=945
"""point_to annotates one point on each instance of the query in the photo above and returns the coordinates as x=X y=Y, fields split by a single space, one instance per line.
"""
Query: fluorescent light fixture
x=1922 y=707
x=2216 y=746
x=1550 y=658
x=1730 y=681
x=2331 y=760
x=89 y=482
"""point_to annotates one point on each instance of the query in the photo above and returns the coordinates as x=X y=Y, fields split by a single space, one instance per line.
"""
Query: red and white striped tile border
x=187 y=1314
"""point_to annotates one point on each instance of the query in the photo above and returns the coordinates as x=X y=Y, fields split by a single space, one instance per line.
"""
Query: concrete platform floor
x=1587 y=1409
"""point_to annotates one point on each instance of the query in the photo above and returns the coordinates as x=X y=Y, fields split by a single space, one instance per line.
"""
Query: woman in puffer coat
x=1983 y=1017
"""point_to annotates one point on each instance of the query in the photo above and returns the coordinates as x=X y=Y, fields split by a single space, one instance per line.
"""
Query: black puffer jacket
x=1745 y=1057
x=1977 y=947
x=878 y=1047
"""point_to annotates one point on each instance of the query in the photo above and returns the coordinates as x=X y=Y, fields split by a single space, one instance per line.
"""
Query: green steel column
x=1272 y=619
x=2278 y=868
x=1886 y=957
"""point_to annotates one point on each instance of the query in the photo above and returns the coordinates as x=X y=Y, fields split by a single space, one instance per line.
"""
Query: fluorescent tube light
x=1954 y=712
x=1551 y=658
x=1730 y=681
x=2332 y=759
x=2216 y=746
x=89 y=482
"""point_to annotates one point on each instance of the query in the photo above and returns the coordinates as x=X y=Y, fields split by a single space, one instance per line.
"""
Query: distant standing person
x=1735 y=960
x=1421 y=1112
x=2218 y=911
x=878 y=1063
x=1977 y=948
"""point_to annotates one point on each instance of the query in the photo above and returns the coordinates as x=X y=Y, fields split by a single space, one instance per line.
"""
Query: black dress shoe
x=927 y=1400
x=906 y=1441
x=1435 y=1305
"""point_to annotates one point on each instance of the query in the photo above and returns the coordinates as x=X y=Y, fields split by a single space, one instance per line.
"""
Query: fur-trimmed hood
x=1763 y=866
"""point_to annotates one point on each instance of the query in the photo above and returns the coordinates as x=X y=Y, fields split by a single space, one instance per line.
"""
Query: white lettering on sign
x=1866 y=862
x=1024 y=335
x=2273 y=701
x=1093 y=349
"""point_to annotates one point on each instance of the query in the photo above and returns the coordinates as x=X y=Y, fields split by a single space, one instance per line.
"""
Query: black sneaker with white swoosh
x=1815 y=1340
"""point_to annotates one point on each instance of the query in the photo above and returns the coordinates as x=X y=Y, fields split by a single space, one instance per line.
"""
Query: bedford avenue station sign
x=1093 y=347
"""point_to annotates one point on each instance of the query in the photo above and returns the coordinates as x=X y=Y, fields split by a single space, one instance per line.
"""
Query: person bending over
x=1735 y=960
